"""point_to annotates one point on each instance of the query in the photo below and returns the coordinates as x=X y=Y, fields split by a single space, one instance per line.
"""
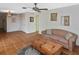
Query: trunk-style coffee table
x=47 y=46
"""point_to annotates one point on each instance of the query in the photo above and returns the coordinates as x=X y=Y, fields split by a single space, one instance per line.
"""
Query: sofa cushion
x=68 y=35
x=64 y=45
x=59 y=32
x=58 y=38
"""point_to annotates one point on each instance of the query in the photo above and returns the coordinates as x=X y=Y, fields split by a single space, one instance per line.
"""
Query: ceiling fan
x=35 y=8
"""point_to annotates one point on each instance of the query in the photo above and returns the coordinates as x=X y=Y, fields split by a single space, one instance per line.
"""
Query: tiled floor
x=11 y=43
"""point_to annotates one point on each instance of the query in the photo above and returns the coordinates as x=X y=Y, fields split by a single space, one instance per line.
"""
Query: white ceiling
x=17 y=7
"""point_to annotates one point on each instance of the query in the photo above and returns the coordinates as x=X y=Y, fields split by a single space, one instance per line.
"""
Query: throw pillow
x=67 y=36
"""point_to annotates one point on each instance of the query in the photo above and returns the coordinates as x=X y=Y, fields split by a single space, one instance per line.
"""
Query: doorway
x=3 y=22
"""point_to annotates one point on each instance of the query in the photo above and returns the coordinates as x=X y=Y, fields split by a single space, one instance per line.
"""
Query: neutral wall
x=26 y=25
x=13 y=23
x=21 y=22
x=43 y=17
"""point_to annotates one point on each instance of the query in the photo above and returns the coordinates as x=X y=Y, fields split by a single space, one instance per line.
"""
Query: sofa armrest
x=73 y=38
x=71 y=45
x=72 y=42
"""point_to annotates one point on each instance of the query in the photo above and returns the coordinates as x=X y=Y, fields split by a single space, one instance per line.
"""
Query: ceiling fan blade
x=26 y=7
x=43 y=9
x=38 y=11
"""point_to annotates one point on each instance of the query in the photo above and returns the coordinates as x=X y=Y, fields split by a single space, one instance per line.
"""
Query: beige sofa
x=66 y=38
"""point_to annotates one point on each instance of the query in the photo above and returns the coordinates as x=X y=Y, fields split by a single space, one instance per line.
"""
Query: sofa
x=63 y=37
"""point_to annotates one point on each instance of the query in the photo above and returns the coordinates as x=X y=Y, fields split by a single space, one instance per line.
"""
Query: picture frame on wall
x=31 y=19
x=65 y=20
x=53 y=16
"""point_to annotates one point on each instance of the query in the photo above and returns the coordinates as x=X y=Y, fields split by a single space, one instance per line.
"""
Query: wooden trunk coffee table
x=47 y=46
x=51 y=48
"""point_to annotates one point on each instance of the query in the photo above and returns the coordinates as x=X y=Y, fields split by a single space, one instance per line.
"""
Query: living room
x=29 y=21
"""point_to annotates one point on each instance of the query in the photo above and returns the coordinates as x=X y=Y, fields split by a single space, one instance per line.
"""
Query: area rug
x=28 y=51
